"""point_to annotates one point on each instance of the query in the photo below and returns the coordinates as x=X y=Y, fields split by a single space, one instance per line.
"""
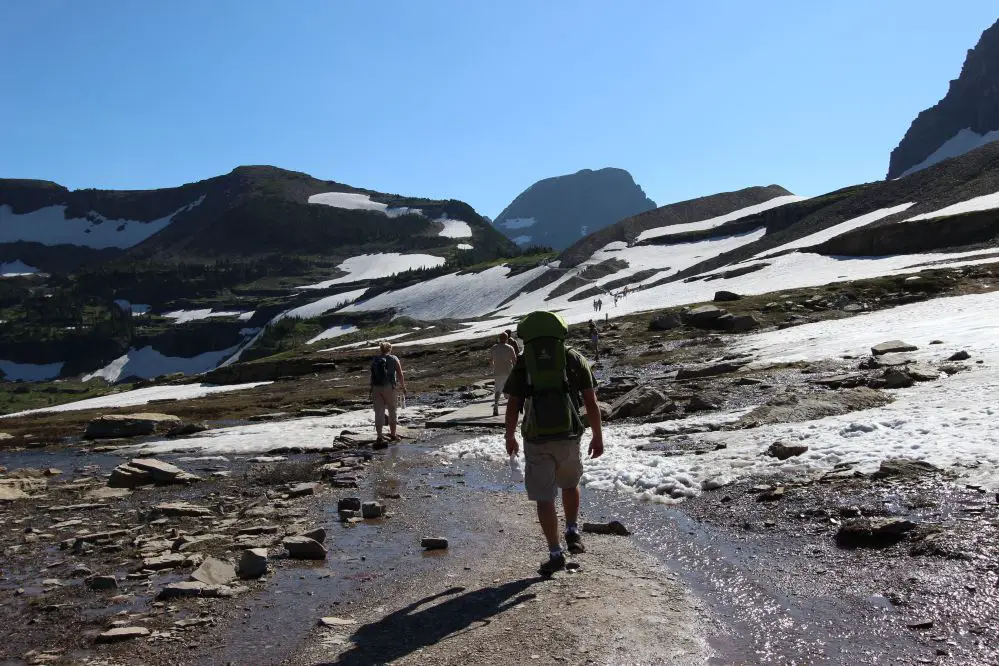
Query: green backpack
x=552 y=413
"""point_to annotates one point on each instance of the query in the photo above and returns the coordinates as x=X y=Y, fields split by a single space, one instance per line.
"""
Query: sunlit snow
x=29 y=372
x=358 y=201
x=820 y=237
x=187 y=316
x=984 y=202
x=142 y=396
x=16 y=269
x=455 y=228
x=375 y=266
x=334 y=332
x=49 y=226
x=673 y=229
x=964 y=141
x=322 y=306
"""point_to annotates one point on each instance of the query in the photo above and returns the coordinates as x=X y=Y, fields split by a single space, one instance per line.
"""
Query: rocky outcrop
x=148 y=471
x=557 y=212
x=112 y=426
x=965 y=119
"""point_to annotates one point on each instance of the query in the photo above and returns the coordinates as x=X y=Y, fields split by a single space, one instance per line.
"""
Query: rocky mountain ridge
x=556 y=212
x=965 y=119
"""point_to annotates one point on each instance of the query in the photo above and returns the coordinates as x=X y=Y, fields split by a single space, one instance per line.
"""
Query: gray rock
x=641 y=401
x=872 y=532
x=113 y=426
x=258 y=529
x=80 y=571
x=252 y=563
x=302 y=489
x=169 y=561
x=318 y=534
x=433 y=543
x=181 y=509
x=304 y=548
x=725 y=296
x=791 y=407
x=923 y=373
x=613 y=527
x=120 y=634
x=348 y=514
x=349 y=504
x=186 y=430
x=699 y=404
x=959 y=356
x=665 y=322
x=196 y=588
x=102 y=583
x=782 y=450
x=709 y=369
x=372 y=510
x=892 y=346
x=145 y=471
x=901 y=467
x=188 y=543
x=896 y=379
x=214 y=572
x=10 y=494
x=731 y=323
x=704 y=316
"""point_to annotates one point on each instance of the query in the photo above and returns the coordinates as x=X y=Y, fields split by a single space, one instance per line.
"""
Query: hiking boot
x=554 y=563
x=380 y=443
x=575 y=541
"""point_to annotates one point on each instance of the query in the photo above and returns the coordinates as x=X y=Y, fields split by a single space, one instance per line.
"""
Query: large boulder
x=214 y=571
x=782 y=450
x=641 y=401
x=665 y=322
x=112 y=426
x=709 y=369
x=872 y=532
x=731 y=323
x=304 y=548
x=725 y=296
x=146 y=471
x=892 y=347
x=704 y=316
x=252 y=563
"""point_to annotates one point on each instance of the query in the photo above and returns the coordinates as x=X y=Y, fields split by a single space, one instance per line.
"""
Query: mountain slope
x=557 y=211
x=257 y=210
x=684 y=212
x=966 y=118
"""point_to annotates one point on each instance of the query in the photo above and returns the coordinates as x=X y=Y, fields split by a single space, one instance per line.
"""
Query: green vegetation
x=17 y=397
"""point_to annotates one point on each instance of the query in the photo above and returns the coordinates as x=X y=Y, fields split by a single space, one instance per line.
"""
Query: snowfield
x=820 y=237
x=50 y=226
x=29 y=372
x=16 y=269
x=187 y=316
x=949 y=422
x=322 y=306
x=357 y=201
x=963 y=142
x=672 y=229
x=374 y=266
x=147 y=363
x=984 y=202
x=141 y=397
x=334 y=332
x=517 y=223
x=455 y=228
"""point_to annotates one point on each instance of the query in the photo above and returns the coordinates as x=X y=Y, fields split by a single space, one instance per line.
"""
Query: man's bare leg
x=570 y=502
x=548 y=518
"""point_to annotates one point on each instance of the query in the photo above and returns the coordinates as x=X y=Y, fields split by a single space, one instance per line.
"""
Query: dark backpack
x=553 y=414
x=382 y=372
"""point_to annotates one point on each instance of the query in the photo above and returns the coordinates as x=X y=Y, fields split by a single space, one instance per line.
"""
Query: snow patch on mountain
x=334 y=332
x=984 y=202
x=357 y=201
x=16 y=269
x=321 y=306
x=147 y=363
x=963 y=142
x=518 y=223
x=187 y=316
x=50 y=226
x=455 y=228
x=829 y=233
x=29 y=372
x=141 y=397
x=522 y=240
x=380 y=265
x=674 y=229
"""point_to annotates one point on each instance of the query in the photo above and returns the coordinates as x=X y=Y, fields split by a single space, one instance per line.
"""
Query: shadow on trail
x=409 y=629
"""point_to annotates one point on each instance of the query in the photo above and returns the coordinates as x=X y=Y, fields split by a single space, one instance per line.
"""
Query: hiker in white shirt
x=502 y=357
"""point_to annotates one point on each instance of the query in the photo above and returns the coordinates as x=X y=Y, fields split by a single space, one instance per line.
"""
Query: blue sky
x=473 y=100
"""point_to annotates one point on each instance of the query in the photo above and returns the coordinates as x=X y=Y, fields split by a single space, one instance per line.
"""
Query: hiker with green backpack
x=552 y=381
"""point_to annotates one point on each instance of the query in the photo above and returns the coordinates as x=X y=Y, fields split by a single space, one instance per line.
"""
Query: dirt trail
x=481 y=602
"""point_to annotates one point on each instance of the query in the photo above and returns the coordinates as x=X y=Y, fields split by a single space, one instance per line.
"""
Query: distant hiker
x=502 y=357
x=553 y=380
x=616 y=297
x=595 y=305
x=595 y=340
x=512 y=341
x=386 y=373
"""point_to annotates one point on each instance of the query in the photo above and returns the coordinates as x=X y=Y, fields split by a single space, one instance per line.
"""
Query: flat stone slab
x=120 y=634
x=475 y=413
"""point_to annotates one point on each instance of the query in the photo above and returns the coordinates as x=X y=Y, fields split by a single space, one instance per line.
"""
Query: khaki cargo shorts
x=551 y=465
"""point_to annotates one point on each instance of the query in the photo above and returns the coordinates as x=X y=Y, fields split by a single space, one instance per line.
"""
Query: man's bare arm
x=596 y=424
x=512 y=411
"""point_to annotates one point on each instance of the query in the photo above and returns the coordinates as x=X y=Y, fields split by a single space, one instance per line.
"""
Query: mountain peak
x=965 y=119
x=558 y=211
